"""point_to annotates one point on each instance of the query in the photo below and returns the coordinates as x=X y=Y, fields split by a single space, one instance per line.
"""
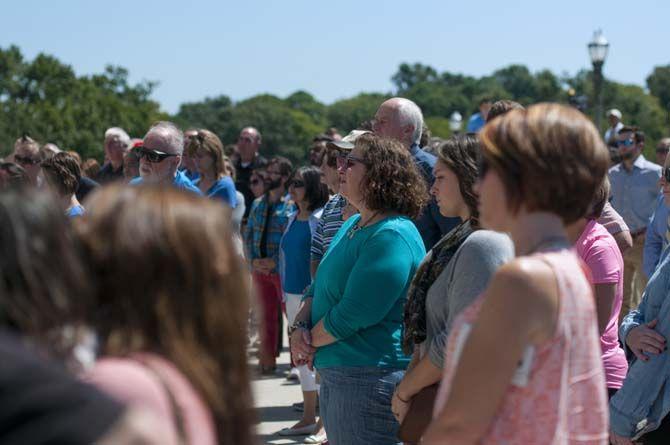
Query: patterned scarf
x=414 y=320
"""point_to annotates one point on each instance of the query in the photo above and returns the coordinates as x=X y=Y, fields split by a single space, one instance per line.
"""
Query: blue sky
x=331 y=49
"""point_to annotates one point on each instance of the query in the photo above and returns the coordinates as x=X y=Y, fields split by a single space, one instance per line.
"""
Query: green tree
x=348 y=114
x=658 y=83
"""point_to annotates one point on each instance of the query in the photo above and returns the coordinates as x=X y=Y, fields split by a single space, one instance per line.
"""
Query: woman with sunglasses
x=207 y=150
x=523 y=362
x=351 y=327
x=456 y=270
x=309 y=195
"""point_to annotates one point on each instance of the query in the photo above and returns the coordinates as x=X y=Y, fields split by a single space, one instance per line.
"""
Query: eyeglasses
x=26 y=160
x=666 y=174
x=296 y=183
x=153 y=156
x=348 y=161
x=625 y=143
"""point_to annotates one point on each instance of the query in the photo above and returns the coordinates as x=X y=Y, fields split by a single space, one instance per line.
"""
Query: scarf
x=414 y=320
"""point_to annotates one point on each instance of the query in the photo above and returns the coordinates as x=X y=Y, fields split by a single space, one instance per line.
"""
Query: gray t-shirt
x=466 y=276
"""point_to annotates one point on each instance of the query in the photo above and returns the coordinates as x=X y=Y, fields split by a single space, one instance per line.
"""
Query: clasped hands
x=301 y=347
x=263 y=266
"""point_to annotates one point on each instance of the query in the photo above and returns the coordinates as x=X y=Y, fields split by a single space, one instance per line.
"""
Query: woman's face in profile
x=352 y=172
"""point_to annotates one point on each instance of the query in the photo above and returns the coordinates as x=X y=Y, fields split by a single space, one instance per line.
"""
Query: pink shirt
x=601 y=254
x=130 y=382
x=557 y=395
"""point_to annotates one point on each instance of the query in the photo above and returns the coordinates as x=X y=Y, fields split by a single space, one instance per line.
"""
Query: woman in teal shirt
x=351 y=327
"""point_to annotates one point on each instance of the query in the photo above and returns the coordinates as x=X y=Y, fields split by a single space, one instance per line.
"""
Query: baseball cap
x=347 y=142
x=614 y=112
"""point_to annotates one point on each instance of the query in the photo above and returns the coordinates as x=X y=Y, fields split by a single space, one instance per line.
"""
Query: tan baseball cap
x=347 y=143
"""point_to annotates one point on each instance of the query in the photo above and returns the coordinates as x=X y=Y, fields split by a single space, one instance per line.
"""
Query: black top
x=243 y=175
x=86 y=186
x=107 y=174
x=40 y=403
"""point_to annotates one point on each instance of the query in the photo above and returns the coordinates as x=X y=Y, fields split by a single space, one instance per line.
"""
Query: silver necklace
x=356 y=228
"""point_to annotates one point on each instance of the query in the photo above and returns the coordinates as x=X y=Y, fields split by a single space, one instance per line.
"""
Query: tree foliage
x=47 y=100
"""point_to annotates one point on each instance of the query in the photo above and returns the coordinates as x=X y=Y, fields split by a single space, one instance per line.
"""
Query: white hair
x=409 y=113
x=119 y=134
x=170 y=134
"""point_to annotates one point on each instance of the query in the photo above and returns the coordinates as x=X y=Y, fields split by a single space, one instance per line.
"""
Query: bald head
x=401 y=119
x=248 y=143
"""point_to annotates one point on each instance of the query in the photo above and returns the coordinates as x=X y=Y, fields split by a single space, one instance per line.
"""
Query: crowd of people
x=505 y=285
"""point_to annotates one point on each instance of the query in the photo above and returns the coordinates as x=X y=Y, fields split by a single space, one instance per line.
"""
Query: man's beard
x=274 y=184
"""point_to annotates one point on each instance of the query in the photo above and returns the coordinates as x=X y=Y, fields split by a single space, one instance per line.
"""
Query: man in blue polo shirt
x=478 y=120
x=160 y=157
x=401 y=119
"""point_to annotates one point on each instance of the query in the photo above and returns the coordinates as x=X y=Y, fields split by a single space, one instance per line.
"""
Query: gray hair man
x=160 y=157
x=401 y=119
x=117 y=143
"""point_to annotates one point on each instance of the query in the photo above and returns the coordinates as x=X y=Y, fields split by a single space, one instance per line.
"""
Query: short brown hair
x=211 y=144
x=600 y=198
x=501 y=107
x=549 y=157
x=63 y=172
x=392 y=181
x=169 y=281
x=90 y=168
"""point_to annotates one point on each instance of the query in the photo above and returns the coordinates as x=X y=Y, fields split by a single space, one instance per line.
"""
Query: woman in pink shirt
x=169 y=309
x=523 y=361
x=599 y=250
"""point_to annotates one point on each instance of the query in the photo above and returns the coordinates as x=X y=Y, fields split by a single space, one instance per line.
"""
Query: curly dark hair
x=63 y=172
x=392 y=181
x=462 y=154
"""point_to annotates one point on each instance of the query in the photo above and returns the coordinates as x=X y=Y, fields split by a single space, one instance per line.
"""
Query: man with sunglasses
x=160 y=156
x=402 y=120
x=246 y=160
x=27 y=155
x=635 y=189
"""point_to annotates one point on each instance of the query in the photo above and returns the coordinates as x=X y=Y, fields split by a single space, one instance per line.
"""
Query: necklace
x=548 y=242
x=357 y=227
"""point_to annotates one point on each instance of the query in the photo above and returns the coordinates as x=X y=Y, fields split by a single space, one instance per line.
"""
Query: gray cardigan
x=465 y=277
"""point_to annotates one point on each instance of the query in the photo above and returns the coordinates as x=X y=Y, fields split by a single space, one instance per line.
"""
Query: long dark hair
x=41 y=273
x=170 y=282
x=462 y=154
x=316 y=192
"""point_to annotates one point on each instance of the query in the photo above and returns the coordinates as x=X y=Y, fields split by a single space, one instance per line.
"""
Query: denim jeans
x=356 y=405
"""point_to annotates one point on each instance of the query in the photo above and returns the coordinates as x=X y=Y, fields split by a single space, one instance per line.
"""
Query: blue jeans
x=356 y=405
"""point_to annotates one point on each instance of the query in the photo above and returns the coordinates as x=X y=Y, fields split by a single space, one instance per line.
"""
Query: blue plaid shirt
x=275 y=228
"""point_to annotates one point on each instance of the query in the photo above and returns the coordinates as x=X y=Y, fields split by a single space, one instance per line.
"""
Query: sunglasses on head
x=26 y=160
x=297 y=183
x=153 y=156
x=347 y=161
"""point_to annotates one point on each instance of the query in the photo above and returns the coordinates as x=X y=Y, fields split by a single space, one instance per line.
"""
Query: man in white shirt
x=614 y=118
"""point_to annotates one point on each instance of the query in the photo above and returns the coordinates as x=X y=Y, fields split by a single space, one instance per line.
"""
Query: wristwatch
x=297 y=325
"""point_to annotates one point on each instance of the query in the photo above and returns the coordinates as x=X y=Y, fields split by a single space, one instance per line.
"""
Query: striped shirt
x=330 y=223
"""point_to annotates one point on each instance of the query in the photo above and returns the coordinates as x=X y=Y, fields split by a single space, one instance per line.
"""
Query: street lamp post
x=598 y=48
x=455 y=122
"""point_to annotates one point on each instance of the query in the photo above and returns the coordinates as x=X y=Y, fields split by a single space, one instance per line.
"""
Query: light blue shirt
x=634 y=192
x=475 y=123
x=644 y=399
x=656 y=239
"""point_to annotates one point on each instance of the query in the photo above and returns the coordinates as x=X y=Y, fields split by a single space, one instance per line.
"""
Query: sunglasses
x=348 y=161
x=26 y=160
x=625 y=143
x=153 y=156
x=666 y=174
x=297 y=183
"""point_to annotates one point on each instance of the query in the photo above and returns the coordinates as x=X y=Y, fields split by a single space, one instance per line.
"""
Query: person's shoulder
x=527 y=280
x=398 y=228
x=487 y=243
x=616 y=168
x=652 y=167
